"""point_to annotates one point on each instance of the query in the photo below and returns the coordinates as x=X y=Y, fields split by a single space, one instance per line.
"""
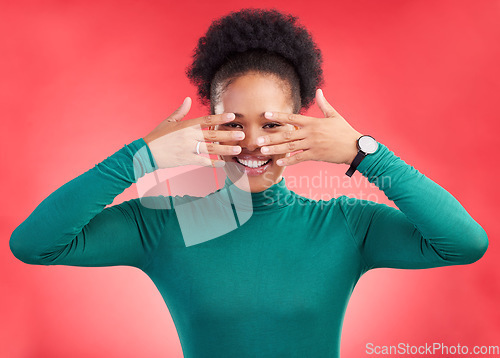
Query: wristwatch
x=366 y=145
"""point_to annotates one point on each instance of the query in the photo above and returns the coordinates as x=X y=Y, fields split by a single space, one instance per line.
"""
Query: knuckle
x=210 y=147
x=291 y=117
x=287 y=134
x=291 y=145
x=211 y=134
x=208 y=119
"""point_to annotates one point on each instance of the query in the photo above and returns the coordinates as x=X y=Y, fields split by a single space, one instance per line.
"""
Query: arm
x=71 y=226
x=431 y=229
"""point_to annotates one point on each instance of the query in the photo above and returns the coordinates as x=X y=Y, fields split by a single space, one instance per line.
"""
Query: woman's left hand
x=330 y=139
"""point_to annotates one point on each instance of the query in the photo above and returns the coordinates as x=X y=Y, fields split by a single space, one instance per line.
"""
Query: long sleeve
x=430 y=229
x=73 y=227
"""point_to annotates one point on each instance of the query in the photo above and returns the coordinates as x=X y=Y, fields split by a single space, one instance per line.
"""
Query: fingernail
x=260 y=140
x=268 y=114
x=279 y=162
x=219 y=163
x=264 y=149
x=236 y=149
x=230 y=116
x=239 y=135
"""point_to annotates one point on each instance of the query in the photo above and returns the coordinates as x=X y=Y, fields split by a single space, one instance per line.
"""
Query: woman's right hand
x=173 y=142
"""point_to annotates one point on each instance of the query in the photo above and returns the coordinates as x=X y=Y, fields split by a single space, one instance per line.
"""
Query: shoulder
x=158 y=207
x=342 y=205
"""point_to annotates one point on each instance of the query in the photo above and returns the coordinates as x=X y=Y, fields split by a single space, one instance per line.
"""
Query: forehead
x=256 y=92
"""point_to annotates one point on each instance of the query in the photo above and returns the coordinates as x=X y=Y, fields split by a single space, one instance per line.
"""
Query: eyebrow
x=239 y=115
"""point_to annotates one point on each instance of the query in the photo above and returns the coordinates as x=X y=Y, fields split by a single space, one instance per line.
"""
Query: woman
x=265 y=277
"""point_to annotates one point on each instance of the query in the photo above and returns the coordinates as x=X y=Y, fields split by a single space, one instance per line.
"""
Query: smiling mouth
x=251 y=163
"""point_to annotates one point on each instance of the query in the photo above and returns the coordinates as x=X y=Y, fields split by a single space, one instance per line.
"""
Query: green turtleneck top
x=266 y=274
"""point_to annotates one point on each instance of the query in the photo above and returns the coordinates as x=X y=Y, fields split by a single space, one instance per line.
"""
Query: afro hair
x=259 y=40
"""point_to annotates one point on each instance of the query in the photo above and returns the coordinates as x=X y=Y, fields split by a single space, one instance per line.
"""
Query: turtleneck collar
x=274 y=197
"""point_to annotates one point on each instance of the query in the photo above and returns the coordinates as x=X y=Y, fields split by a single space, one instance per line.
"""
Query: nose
x=250 y=141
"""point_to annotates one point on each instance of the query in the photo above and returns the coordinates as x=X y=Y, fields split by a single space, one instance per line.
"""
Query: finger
x=219 y=135
x=292 y=118
x=220 y=149
x=212 y=119
x=281 y=137
x=285 y=147
x=207 y=162
x=181 y=111
x=294 y=159
x=326 y=108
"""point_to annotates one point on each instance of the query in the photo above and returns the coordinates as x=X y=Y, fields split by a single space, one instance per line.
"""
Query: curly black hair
x=265 y=41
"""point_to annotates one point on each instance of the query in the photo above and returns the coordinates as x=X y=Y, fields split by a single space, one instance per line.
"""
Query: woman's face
x=249 y=97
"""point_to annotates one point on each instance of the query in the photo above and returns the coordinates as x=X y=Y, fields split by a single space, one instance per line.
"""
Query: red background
x=79 y=79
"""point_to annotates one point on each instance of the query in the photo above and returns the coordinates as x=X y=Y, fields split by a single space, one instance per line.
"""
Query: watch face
x=368 y=144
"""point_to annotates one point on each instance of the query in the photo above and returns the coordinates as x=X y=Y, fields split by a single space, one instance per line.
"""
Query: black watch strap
x=354 y=164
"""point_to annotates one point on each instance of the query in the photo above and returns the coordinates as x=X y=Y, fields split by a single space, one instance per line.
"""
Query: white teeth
x=252 y=163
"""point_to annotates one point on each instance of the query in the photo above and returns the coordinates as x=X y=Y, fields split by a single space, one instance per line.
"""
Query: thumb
x=181 y=111
x=323 y=104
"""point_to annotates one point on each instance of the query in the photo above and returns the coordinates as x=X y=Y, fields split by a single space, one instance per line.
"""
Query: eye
x=230 y=125
x=273 y=125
